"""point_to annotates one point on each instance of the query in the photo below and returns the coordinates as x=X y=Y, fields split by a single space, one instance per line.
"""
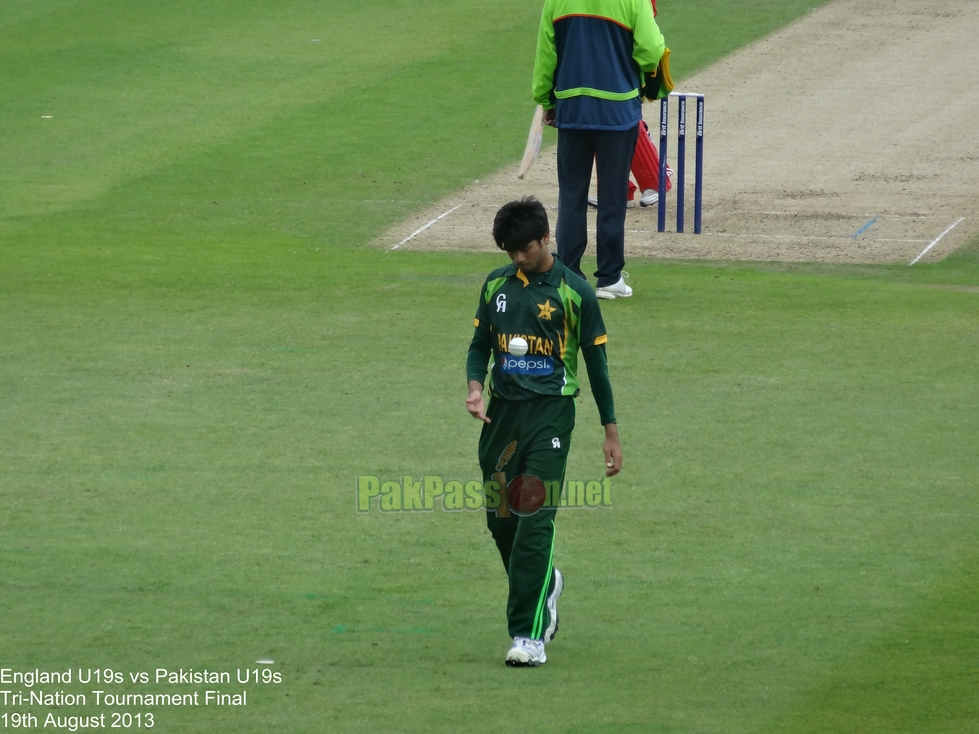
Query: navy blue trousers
x=611 y=150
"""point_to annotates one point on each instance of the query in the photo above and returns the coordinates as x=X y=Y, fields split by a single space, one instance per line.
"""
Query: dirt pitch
x=852 y=135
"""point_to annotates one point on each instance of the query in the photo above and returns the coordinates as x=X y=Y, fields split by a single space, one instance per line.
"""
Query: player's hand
x=474 y=404
x=613 y=450
x=549 y=117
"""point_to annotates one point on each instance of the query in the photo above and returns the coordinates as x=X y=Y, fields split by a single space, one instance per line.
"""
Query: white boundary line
x=936 y=240
x=422 y=229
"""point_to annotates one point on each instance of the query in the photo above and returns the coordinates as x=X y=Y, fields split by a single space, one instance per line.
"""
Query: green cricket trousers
x=527 y=437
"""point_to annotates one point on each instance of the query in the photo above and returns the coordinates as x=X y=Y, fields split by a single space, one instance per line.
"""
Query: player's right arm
x=474 y=403
x=480 y=351
x=648 y=41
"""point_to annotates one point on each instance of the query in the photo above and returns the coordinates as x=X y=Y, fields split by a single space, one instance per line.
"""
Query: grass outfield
x=199 y=355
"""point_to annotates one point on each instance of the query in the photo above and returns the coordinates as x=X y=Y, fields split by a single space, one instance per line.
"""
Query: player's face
x=534 y=258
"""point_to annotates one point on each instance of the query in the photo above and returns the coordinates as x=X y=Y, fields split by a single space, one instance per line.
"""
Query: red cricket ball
x=525 y=494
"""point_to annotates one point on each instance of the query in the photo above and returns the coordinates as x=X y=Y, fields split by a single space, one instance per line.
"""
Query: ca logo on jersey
x=556 y=443
x=501 y=303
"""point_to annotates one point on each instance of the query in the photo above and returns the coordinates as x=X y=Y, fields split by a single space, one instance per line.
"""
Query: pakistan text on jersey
x=535 y=344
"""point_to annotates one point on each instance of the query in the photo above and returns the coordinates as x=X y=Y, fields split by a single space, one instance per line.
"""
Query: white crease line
x=805 y=214
x=801 y=237
x=497 y=206
x=422 y=229
x=936 y=240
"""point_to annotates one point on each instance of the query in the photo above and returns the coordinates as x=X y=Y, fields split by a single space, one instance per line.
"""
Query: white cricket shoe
x=552 y=606
x=526 y=653
x=593 y=202
x=649 y=197
x=616 y=290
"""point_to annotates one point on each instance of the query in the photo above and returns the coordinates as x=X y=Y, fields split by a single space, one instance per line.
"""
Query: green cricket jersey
x=555 y=312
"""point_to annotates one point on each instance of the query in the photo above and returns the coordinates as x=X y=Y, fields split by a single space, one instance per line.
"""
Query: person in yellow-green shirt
x=588 y=72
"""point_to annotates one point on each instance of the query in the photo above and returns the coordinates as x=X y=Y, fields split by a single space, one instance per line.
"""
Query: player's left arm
x=613 y=450
x=545 y=64
x=596 y=363
x=592 y=336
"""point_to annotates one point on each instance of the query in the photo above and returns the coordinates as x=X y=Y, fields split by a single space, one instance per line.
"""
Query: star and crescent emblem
x=546 y=309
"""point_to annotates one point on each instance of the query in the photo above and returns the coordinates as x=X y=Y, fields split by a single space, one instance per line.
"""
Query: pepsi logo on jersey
x=526 y=365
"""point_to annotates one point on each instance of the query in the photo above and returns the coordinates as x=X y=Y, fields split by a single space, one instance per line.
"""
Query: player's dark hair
x=519 y=223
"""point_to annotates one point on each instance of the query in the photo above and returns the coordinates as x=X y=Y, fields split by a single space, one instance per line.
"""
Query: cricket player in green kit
x=531 y=413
